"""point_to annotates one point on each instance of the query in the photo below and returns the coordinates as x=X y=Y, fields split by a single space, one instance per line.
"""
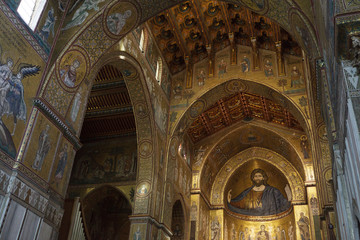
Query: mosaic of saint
x=260 y=199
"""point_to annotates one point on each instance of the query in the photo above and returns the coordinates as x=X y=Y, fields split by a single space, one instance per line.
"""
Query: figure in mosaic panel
x=260 y=199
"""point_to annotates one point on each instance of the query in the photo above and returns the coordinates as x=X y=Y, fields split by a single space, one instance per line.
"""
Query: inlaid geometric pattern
x=240 y=106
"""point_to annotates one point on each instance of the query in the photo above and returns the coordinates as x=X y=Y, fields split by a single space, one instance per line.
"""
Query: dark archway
x=178 y=221
x=106 y=214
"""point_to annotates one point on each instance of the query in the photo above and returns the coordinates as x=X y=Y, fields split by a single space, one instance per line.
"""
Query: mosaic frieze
x=105 y=162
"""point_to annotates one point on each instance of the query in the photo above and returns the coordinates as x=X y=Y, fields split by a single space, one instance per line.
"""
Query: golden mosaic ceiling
x=194 y=30
x=240 y=106
x=109 y=111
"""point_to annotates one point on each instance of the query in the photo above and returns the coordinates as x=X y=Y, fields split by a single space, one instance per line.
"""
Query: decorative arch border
x=135 y=82
x=295 y=181
x=239 y=128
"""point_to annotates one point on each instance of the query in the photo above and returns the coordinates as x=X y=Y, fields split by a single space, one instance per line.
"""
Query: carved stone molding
x=68 y=133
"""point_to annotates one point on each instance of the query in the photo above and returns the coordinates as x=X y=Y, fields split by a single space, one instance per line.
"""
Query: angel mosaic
x=12 y=101
x=12 y=90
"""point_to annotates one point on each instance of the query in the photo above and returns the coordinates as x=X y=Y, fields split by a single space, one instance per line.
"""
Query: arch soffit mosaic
x=296 y=182
x=233 y=136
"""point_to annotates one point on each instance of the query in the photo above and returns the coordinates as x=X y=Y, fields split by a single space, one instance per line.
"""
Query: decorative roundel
x=72 y=68
x=173 y=147
x=197 y=108
x=120 y=18
x=143 y=189
x=322 y=132
x=141 y=110
x=128 y=71
x=234 y=86
x=145 y=148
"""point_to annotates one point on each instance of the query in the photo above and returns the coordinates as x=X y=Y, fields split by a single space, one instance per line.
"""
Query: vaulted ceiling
x=194 y=30
x=109 y=111
x=240 y=106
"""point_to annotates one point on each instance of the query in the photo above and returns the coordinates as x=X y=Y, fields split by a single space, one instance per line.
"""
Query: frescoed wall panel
x=107 y=161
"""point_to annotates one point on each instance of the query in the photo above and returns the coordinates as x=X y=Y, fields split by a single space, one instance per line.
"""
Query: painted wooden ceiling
x=193 y=30
x=240 y=106
x=109 y=111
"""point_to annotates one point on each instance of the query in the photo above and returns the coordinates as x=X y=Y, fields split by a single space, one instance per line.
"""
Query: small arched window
x=142 y=41
x=30 y=11
x=158 y=70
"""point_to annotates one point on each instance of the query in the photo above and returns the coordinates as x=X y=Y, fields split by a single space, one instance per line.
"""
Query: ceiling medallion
x=234 y=86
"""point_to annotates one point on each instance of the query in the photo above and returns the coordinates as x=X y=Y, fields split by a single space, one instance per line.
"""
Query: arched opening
x=159 y=69
x=106 y=214
x=109 y=152
x=142 y=43
x=178 y=221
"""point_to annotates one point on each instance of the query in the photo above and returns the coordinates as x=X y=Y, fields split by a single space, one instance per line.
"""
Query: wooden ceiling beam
x=265 y=108
x=201 y=23
x=197 y=5
x=287 y=118
x=244 y=104
x=178 y=34
x=250 y=22
x=225 y=13
x=98 y=92
x=224 y=112
x=207 y=125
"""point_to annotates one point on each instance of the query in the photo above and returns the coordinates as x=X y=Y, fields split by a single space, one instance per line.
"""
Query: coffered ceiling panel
x=194 y=30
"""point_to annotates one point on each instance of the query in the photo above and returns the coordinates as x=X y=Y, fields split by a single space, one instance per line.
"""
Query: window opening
x=142 y=41
x=158 y=70
x=30 y=11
